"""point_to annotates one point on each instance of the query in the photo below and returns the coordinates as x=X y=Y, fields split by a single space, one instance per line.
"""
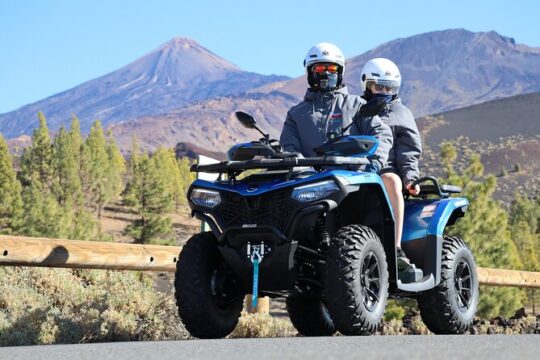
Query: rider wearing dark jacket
x=328 y=107
x=404 y=155
x=381 y=78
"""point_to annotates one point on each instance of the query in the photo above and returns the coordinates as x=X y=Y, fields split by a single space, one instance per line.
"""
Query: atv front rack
x=279 y=164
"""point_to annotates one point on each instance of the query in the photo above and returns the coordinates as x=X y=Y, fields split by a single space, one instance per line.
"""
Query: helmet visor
x=321 y=68
x=389 y=87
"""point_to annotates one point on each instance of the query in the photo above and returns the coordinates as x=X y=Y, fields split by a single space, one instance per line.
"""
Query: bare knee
x=392 y=182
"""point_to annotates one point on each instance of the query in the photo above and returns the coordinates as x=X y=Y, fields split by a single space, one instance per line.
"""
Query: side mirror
x=247 y=120
x=372 y=107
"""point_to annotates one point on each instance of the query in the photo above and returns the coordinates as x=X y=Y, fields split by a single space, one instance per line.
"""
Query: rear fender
x=423 y=231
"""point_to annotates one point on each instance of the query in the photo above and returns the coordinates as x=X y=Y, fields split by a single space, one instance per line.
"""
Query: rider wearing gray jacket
x=404 y=155
x=381 y=78
x=328 y=107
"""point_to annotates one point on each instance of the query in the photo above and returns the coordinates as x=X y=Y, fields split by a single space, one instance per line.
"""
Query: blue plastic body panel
x=417 y=225
x=343 y=176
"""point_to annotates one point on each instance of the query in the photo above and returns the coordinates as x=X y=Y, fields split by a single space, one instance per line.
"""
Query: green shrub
x=48 y=306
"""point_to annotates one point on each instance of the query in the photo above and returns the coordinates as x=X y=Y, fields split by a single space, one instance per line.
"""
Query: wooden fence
x=45 y=252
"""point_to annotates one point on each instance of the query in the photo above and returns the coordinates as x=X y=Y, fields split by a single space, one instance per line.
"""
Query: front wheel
x=309 y=315
x=208 y=294
x=450 y=307
x=356 y=284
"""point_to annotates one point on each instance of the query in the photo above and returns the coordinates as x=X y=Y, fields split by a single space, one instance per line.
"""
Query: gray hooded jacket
x=404 y=155
x=309 y=122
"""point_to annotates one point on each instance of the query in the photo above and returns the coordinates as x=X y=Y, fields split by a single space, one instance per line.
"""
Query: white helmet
x=383 y=72
x=324 y=52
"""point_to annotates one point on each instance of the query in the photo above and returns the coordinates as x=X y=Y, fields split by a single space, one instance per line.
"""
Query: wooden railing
x=45 y=252
x=29 y=251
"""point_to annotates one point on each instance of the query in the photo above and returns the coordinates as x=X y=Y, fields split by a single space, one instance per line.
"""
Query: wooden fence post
x=263 y=305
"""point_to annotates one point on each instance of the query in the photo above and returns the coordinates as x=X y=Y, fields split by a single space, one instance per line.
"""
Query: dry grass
x=48 y=306
x=61 y=306
x=263 y=326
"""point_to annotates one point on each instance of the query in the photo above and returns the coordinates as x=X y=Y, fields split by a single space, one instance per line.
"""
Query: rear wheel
x=309 y=314
x=450 y=307
x=356 y=286
x=208 y=294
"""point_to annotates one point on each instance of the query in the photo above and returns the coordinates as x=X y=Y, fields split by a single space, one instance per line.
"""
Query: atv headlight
x=314 y=191
x=204 y=197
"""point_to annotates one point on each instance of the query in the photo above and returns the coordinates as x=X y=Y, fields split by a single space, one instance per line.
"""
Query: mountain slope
x=505 y=133
x=177 y=73
x=210 y=124
x=442 y=70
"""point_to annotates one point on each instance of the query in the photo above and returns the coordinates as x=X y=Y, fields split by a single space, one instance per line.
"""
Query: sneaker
x=403 y=262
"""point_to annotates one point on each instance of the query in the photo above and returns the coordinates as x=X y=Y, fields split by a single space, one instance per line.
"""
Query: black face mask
x=368 y=95
x=326 y=81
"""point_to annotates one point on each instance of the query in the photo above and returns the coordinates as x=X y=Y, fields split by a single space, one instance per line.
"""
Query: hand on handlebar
x=413 y=189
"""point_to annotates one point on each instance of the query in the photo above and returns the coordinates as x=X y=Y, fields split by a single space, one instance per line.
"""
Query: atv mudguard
x=423 y=231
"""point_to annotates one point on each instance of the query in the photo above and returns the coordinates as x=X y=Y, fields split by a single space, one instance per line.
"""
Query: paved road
x=490 y=347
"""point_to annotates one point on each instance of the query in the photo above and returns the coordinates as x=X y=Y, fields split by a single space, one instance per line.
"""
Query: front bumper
x=277 y=269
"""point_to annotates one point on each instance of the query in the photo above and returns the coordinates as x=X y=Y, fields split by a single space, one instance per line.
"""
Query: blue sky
x=50 y=46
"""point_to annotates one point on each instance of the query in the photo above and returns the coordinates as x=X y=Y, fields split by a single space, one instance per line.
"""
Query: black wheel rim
x=370 y=281
x=463 y=284
x=224 y=288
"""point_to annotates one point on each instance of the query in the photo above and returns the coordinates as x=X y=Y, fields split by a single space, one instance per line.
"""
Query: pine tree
x=42 y=214
x=67 y=183
x=94 y=168
x=36 y=160
x=448 y=157
x=74 y=220
x=10 y=193
x=41 y=210
x=116 y=169
x=147 y=191
x=524 y=228
x=76 y=138
x=165 y=162
x=129 y=195
x=52 y=194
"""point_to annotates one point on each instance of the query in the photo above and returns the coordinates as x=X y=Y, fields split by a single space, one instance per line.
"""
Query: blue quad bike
x=320 y=232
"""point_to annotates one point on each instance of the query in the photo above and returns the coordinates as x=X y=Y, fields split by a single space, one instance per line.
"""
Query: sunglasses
x=320 y=68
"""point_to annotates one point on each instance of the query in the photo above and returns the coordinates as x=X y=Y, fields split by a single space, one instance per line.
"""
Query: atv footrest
x=410 y=275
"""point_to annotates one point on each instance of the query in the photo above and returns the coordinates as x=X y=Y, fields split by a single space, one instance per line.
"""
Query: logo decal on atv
x=249 y=225
x=251 y=189
x=336 y=116
x=428 y=211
